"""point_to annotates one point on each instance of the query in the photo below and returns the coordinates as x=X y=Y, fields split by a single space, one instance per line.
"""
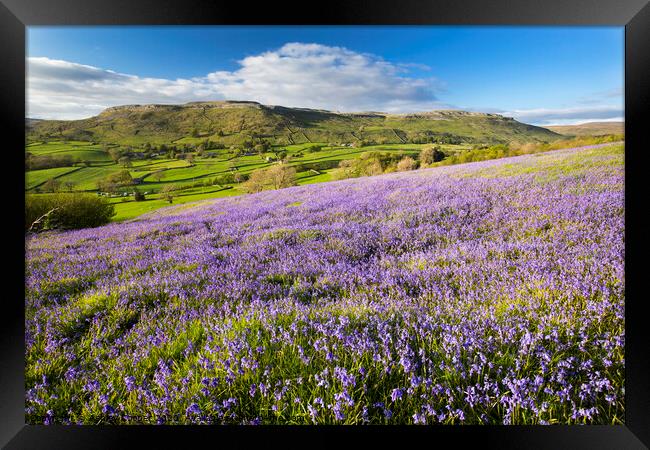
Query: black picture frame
x=16 y=15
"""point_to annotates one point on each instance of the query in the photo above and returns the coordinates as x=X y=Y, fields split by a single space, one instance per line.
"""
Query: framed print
x=414 y=221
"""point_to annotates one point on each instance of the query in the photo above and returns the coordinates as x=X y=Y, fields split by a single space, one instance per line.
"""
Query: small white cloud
x=297 y=74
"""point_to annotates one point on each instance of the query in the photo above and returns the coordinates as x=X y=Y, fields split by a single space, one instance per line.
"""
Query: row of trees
x=420 y=138
x=187 y=150
x=376 y=163
x=436 y=138
x=36 y=162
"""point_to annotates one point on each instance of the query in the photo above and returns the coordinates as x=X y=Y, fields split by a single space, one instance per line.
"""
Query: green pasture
x=35 y=178
x=184 y=174
x=126 y=208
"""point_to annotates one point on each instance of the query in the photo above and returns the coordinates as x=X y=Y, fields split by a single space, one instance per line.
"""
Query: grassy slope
x=130 y=209
x=37 y=177
x=236 y=122
x=491 y=290
x=589 y=129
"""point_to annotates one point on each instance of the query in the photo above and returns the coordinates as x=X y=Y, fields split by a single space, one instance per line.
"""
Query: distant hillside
x=234 y=122
x=589 y=129
x=29 y=122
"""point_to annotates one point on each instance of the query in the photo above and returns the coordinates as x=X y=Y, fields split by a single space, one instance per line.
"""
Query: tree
x=51 y=185
x=107 y=186
x=429 y=155
x=167 y=192
x=238 y=177
x=158 y=175
x=259 y=149
x=115 y=154
x=138 y=195
x=372 y=167
x=406 y=163
x=256 y=182
x=123 y=177
x=114 y=181
x=281 y=176
x=125 y=161
x=275 y=177
x=279 y=153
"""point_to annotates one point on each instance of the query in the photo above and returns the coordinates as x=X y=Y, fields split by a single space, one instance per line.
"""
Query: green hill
x=589 y=129
x=235 y=122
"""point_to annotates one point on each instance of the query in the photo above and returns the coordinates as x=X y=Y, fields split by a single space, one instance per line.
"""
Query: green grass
x=312 y=178
x=130 y=209
x=85 y=179
x=35 y=178
x=42 y=148
x=159 y=163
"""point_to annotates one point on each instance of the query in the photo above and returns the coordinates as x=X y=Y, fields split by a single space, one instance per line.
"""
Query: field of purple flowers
x=484 y=293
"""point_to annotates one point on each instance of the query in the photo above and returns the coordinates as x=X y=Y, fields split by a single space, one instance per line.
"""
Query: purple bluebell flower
x=193 y=410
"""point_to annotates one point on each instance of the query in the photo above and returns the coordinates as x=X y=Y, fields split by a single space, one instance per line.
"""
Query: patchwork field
x=482 y=293
x=184 y=174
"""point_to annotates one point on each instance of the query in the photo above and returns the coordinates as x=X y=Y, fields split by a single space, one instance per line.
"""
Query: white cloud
x=568 y=116
x=297 y=74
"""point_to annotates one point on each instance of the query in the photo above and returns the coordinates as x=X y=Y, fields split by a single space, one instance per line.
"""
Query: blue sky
x=539 y=75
